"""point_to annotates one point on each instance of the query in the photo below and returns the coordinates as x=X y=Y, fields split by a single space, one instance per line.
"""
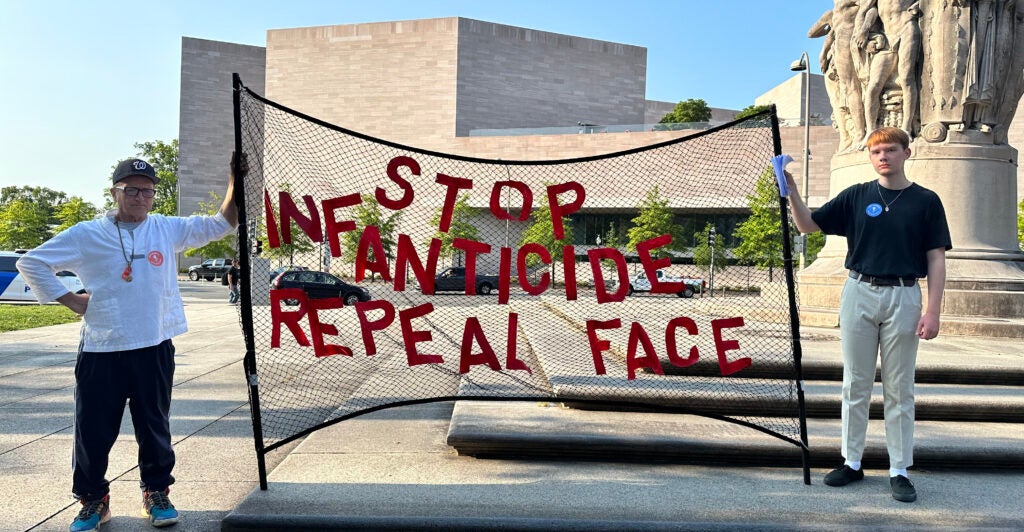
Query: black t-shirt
x=882 y=243
x=233 y=275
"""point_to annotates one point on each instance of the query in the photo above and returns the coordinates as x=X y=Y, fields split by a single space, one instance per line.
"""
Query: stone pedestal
x=985 y=269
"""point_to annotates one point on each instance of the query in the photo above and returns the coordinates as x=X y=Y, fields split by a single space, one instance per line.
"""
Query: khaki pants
x=873 y=320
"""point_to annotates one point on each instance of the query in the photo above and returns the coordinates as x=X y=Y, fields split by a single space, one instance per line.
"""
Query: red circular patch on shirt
x=155 y=258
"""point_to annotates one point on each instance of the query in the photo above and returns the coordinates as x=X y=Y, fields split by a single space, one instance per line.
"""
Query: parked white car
x=640 y=283
x=14 y=288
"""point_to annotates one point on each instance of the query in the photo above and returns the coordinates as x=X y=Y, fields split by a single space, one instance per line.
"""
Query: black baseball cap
x=130 y=167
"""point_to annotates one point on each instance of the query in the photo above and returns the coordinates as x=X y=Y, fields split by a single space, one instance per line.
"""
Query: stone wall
x=511 y=77
x=206 y=131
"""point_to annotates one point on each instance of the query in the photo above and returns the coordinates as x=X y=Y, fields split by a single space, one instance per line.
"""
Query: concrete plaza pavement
x=393 y=469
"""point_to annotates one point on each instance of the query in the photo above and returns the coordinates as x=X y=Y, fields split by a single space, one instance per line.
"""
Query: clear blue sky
x=81 y=82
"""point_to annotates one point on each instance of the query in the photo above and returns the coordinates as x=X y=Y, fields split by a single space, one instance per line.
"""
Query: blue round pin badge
x=873 y=210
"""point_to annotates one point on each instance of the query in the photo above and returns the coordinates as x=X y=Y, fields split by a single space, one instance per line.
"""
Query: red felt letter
x=670 y=341
x=597 y=345
x=600 y=287
x=545 y=278
x=407 y=257
x=407 y=192
x=504 y=275
x=651 y=266
x=511 y=362
x=273 y=240
x=454 y=184
x=289 y=212
x=524 y=209
x=410 y=337
x=318 y=329
x=368 y=326
x=290 y=318
x=637 y=334
x=569 y=268
x=370 y=239
x=333 y=225
x=471 y=247
x=473 y=331
x=558 y=211
x=727 y=367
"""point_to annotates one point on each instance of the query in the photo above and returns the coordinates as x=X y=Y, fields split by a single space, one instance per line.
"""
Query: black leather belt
x=883 y=281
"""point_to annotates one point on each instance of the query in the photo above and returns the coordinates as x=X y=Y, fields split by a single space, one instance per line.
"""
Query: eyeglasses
x=135 y=191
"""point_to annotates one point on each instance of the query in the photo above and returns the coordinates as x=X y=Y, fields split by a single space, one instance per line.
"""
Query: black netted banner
x=379 y=274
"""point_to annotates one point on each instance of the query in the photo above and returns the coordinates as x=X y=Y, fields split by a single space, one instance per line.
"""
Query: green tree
x=1020 y=224
x=815 y=241
x=73 y=211
x=370 y=213
x=164 y=159
x=23 y=224
x=45 y=199
x=702 y=252
x=225 y=247
x=38 y=195
x=687 y=111
x=751 y=110
x=614 y=238
x=301 y=243
x=460 y=227
x=542 y=231
x=653 y=220
x=761 y=234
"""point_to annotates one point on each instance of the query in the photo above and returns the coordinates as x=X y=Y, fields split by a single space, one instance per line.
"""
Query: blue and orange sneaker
x=92 y=515
x=158 y=508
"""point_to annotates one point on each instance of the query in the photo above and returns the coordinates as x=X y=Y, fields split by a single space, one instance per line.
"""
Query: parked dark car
x=278 y=271
x=320 y=285
x=454 y=279
x=210 y=269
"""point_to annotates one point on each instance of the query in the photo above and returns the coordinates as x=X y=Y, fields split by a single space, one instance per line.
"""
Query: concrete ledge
x=951 y=324
x=532 y=431
x=832 y=370
x=258 y=522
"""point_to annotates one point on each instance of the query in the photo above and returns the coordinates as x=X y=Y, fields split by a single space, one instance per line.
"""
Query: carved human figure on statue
x=899 y=24
x=844 y=18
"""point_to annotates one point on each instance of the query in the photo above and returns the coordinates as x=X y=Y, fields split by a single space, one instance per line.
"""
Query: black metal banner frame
x=246 y=309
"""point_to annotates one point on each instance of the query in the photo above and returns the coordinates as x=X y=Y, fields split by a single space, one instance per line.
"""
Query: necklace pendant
x=887 y=208
x=126 y=275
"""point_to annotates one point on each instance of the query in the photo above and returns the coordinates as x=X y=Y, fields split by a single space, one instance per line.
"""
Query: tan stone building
x=462 y=86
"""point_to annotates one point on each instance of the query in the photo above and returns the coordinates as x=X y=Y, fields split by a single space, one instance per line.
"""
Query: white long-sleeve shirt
x=123 y=315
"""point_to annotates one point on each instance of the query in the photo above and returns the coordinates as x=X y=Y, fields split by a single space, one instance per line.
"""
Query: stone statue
x=926 y=66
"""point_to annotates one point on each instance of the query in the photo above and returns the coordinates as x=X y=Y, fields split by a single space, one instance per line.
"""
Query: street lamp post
x=711 y=244
x=802 y=65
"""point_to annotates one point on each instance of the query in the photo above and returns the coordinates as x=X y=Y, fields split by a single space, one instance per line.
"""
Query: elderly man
x=126 y=261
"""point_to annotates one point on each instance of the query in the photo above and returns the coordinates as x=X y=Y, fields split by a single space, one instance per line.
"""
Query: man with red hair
x=896 y=233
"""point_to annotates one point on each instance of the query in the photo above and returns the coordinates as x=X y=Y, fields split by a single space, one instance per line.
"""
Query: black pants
x=104 y=382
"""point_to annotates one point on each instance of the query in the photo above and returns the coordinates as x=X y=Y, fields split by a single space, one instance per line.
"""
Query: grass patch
x=18 y=317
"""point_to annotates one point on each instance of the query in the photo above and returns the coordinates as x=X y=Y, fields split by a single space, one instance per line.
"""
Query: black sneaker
x=902 y=489
x=844 y=475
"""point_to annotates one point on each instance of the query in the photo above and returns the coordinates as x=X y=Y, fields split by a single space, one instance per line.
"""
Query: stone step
x=832 y=370
x=991 y=327
x=933 y=402
x=550 y=431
